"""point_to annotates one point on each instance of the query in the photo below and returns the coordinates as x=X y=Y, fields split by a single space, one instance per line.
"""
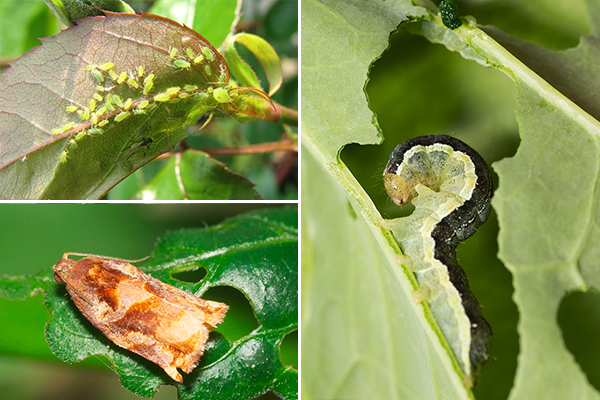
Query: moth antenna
x=105 y=257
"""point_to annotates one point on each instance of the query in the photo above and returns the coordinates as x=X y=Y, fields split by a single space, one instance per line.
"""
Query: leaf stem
x=261 y=148
x=287 y=115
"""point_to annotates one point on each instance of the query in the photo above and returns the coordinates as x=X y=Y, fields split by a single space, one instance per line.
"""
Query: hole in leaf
x=239 y=320
x=190 y=276
x=288 y=349
x=579 y=320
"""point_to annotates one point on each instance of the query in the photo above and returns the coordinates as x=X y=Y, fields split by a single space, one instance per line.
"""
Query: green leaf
x=213 y=19
x=194 y=175
x=546 y=199
x=45 y=149
x=250 y=252
x=266 y=55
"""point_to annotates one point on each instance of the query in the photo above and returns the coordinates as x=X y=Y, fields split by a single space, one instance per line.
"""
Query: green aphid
x=73 y=144
x=85 y=114
x=94 y=118
x=101 y=111
x=208 y=53
x=149 y=78
x=71 y=108
x=96 y=131
x=113 y=75
x=93 y=105
x=64 y=156
x=139 y=112
x=143 y=104
x=117 y=100
x=91 y=67
x=68 y=126
x=162 y=97
x=173 y=90
x=106 y=67
x=122 y=116
x=198 y=59
x=80 y=135
x=173 y=52
x=109 y=106
x=98 y=75
x=184 y=95
x=207 y=69
x=148 y=86
x=122 y=78
x=56 y=131
x=100 y=89
x=190 y=88
x=133 y=83
x=127 y=104
x=103 y=122
x=221 y=95
x=200 y=96
x=98 y=97
x=190 y=53
x=140 y=70
x=181 y=64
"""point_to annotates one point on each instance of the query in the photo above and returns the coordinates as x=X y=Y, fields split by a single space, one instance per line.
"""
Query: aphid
x=64 y=156
x=122 y=78
x=122 y=116
x=200 y=96
x=98 y=75
x=68 y=126
x=71 y=108
x=207 y=69
x=173 y=90
x=221 y=95
x=85 y=114
x=190 y=88
x=139 y=112
x=109 y=106
x=100 y=89
x=173 y=52
x=210 y=56
x=149 y=78
x=56 y=131
x=96 y=131
x=140 y=70
x=133 y=83
x=101 y=111
x=113 y=75
x=93 y=105
x=107 y=66
x=73 y=144
x=148 y=86
x=183 y=95
x=190 y=53
x=80 y=135
x=102 y=123
x=143 y=104
x=162 y=97
x=117 y=100
x=91 y=67
x=98 y=97
x=198 y=59
x=127 y=104
x=181 y=64
x=94 y=118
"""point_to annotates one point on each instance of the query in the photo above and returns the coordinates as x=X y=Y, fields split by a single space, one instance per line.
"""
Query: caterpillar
x=449 y=14
x=450 y=186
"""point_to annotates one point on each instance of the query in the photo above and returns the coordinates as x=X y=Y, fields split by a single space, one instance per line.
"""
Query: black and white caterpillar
x=450 y=186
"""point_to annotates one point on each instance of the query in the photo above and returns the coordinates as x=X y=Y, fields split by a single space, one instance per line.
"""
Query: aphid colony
x=105 y=105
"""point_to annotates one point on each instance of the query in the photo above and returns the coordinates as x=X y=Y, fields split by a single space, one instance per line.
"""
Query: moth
x=137 y=312
x=450 y=186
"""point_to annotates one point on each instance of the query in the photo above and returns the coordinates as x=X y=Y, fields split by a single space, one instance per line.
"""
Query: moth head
x=62 y=267
x=397 y=188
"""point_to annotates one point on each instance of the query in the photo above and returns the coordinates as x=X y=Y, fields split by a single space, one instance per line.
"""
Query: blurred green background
x=418 y=88
x=34 y=237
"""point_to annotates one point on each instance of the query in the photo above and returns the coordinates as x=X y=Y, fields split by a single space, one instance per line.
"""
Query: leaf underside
x=53 y=104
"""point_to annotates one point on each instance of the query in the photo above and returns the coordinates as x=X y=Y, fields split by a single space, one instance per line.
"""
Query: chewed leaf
x=104 y=97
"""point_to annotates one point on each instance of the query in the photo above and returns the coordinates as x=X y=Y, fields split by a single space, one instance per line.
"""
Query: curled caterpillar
x=450 y=186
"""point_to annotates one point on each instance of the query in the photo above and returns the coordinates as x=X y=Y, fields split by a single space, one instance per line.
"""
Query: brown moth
x=139 y=313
